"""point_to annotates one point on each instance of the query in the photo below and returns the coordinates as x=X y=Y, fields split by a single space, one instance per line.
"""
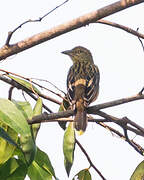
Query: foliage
x=68 y=147
x=138 y=174
x=83 y=175
x=19 y=154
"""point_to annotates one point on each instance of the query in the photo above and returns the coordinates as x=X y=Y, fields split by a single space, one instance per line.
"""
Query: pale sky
x=120 y=58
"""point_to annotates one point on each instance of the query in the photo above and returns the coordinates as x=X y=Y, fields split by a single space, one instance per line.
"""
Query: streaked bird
x=82 y=84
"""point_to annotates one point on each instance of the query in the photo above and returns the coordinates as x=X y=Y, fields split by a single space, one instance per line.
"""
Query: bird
x=82 y=84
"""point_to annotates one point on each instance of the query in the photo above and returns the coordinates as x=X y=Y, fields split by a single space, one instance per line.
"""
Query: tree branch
x=107 y=118
x=45 y=117
x=86 y=19
x=116 y=25
x=92 y=109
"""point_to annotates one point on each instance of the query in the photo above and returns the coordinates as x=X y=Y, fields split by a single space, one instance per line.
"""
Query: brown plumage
x=82 y=84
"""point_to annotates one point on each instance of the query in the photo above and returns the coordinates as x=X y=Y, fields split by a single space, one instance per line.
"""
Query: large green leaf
x=83 y=175
x=68 y=147
x=43 y=161
x=7 y=142
x=138 y=174
x=13 y=117
x=41 y=167
x=36 y=172
x=26 y=84
x=13 y=170
x=26 y=140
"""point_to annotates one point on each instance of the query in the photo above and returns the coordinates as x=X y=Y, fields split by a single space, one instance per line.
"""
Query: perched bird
x=82 y=84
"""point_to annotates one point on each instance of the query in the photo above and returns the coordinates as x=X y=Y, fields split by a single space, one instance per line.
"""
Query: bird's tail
x=80 y=121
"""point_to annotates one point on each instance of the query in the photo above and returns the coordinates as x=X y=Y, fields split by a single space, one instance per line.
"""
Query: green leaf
x=6 y=137
x=7 y=142
x=138 y=174
x=27 y=142
x=25 y=108
x=43 y=161
x=19 y=154
x=24 y=83
x=8 y=168
x=19 y=173
x=64 y=106
x=13 y=117
x=41 y=167
x=68 y=147
x=13 y=170
x=38 y=107
x=37 y=111
x=35 y=172
x=28 y=147
x=83 y=175
x=67 y=165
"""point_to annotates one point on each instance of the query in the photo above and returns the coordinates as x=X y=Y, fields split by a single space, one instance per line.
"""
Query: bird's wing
x=71 y=84
x=92 y=84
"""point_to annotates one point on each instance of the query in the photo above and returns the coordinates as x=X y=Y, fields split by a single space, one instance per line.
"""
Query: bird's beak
x=67 y=52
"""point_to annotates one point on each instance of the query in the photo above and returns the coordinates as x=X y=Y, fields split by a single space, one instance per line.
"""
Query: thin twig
x=141 y=92
x=119 y=26
x=49 y=91
x=133 y=124
x=29 y=21
x=36 y=98
x=24 y=95
x=53 y=10
x=139 y=150
x=32 y=89
x=20 y=86
x=123 y=123
x=136 y=131
x=140 y=40
x=10 y=92
x=51 y=84
x=89 y=160
x=112 y=130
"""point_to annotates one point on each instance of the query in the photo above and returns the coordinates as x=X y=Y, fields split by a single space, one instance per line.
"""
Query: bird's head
x=79 y=54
